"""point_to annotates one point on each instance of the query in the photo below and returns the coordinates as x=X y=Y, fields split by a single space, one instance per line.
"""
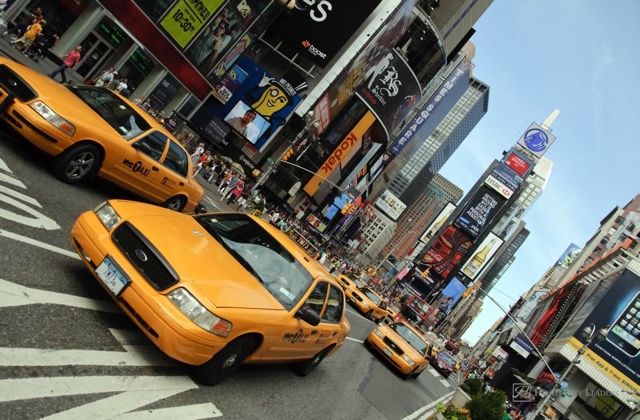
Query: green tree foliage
x=489 y=406
x=472 y=386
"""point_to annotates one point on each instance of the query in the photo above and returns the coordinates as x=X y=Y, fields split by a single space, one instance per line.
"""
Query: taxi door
x=172 y=178
x=300 y=340
x=138 y=167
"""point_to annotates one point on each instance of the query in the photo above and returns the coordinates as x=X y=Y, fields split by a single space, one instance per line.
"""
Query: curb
x=427 y=411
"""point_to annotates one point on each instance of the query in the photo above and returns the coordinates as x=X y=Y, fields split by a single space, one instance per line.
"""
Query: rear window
x=117 y=113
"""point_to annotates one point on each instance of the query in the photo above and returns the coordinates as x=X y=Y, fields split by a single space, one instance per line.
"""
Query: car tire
x=77 y=163
x=176 y=203
x=369 y=314
x=415 y=375
x=226 y=361
x=405 y=376
x=306 y=367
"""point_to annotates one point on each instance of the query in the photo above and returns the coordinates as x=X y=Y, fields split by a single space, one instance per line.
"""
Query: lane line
x=445 y=382
x=187 y=412
x=12 y=294
x=39 y=244
x=355 y=339
x=29 y=388
x=51 y=357
x=420 y=413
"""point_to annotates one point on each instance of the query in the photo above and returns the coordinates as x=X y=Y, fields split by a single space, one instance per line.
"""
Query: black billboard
x=319 y=29
x=480 y=211
x=390 y=89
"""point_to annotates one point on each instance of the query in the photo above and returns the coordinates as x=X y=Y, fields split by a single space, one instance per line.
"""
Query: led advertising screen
x=520 y=164
x=482 y=256
x=390 y=205
x=437 y=223
x=246 y=122
x=450 y=295
x=448 y=249
x=479 y=211
x=318 y=29
x=569 y=254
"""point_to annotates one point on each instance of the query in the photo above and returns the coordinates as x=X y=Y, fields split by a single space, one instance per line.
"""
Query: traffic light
x=287 y=154
x=348 y=208
x=467 y=292
x=424 y=274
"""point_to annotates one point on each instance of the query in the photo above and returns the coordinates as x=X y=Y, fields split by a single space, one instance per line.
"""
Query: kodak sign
x=340 y=153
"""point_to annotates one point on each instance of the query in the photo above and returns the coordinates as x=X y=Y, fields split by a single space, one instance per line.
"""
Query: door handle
x=155 y=168
x=313 y=332
x=181 y=183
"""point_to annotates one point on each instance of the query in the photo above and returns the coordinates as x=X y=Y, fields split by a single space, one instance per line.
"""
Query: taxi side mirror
x=143 y=147
x=200 y=209
x=309 y=316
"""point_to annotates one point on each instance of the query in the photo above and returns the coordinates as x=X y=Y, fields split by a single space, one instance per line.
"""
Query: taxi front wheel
x=176 y=203
x=77 y=163
x=225 y=361
x=306 y=367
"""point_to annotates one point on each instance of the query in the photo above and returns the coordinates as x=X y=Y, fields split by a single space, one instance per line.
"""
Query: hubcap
x=231 y=360
x=80 y=166
x=174 y=204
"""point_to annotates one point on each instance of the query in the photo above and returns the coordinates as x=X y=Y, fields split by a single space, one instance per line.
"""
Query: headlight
x=378 y=333
x=107 y=215
x=194 y=310
x=365 y=304
x=53 y=118
x=408 y=359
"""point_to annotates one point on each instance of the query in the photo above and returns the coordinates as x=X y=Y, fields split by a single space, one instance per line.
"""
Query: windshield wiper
x=246 y=264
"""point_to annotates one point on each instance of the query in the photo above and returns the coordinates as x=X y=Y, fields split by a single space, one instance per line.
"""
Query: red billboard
x=447 y=251
x=518 y=163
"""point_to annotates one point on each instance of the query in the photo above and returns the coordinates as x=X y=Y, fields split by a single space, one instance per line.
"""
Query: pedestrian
x=69 y=61
x=236 y=191
x=105 y=77
x=122 y=85
x=29 y=36
x=199 y=150
x=26 y=23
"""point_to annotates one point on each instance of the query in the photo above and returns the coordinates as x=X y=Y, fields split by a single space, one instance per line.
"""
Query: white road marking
x=445 y=383
x=12 y=294
x=29 y=388
x=355 y=339
x=37 y=243
x=20 y=196
x=7 y=179
x=213 y=203
x=38 y=221
x=189 y=412
x=134 y=356
x=424 y=412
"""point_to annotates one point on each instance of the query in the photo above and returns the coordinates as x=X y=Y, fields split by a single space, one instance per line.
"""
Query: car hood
x=205 y=268
x=403 y=344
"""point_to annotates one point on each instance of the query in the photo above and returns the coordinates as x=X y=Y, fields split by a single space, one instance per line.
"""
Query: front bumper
x=169 y=329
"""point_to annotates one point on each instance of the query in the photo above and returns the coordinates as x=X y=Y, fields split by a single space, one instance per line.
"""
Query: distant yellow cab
x=370 y=303
x=403 y=346
x=93 y=131
x=213 y=290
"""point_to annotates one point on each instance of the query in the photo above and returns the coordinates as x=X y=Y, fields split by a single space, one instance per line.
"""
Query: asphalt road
x=67 y=352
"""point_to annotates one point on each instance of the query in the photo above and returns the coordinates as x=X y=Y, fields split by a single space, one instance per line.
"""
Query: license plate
x=387 y=352
x=111 y=276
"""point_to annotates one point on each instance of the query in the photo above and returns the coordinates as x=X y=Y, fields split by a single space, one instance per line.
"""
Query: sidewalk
x=44 y=65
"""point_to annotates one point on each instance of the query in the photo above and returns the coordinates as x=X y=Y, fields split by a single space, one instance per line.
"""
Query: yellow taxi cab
x=93 y=131
x=368 y=302
x=348 y=282
x=403 y=346
x=213 y=290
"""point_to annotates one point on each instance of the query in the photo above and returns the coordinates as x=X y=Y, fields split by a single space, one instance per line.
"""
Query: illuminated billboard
x=318 y=29
x=569 y=254
x=437 y=222
x=480 y=211
x=390 y=205
x=449 y=297
x=482 y=256
x=448 y=249
x=518 y=162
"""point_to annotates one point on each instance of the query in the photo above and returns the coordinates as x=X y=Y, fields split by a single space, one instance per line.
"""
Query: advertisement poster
x=390 y=205
x=273 y=99
x=569 y=254
x=230 y=82
x=616 y=307
x=237 y=50
x=451 y=90
x=446 y=251
x=390 y=90
x=525 y=311
x=220 y=36
x=437 y=223
x=186 y=19
x=482 y=256
x=352 y=76
x=318 y=29
x=479 y=211
x=520 y=164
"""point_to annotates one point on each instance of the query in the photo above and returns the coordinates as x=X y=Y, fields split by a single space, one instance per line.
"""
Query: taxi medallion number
x=111 y=276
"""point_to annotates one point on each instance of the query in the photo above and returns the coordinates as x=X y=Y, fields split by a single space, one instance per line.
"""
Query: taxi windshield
x=374 y=298
x=261 y=254
x=410 y=337
x=116 y=112
x=359 y=283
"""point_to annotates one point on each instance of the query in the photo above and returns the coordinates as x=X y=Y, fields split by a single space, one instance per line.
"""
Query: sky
x=581 y=57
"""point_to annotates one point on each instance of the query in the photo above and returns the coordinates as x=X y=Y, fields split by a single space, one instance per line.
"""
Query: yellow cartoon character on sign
x=277 y=95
